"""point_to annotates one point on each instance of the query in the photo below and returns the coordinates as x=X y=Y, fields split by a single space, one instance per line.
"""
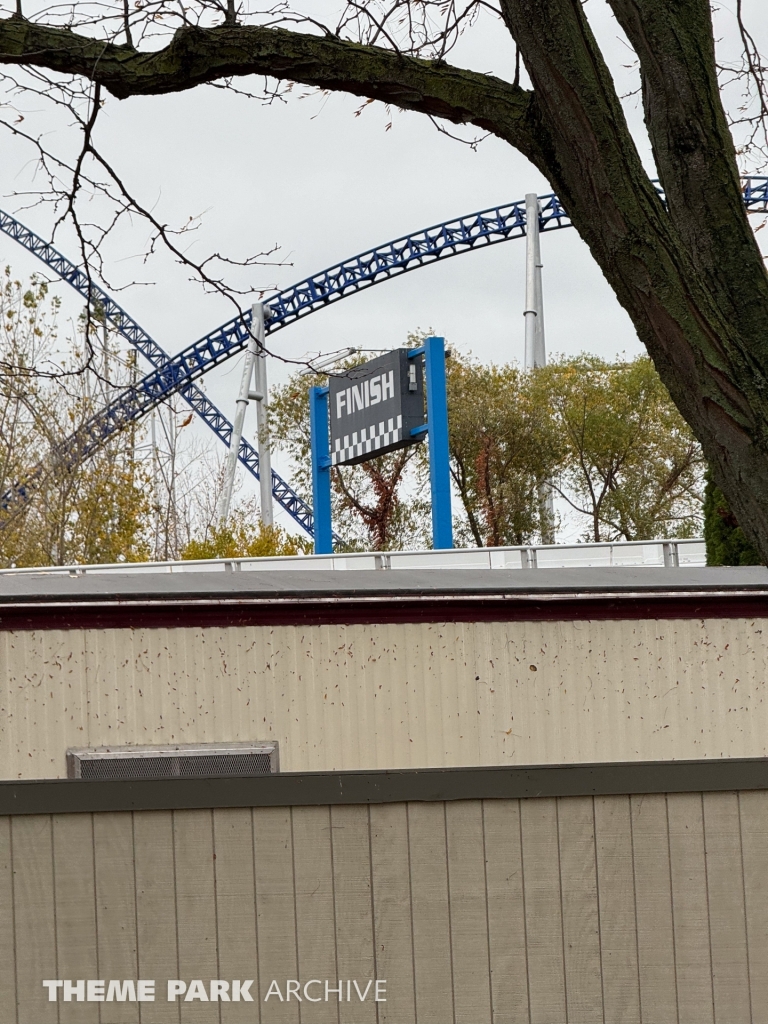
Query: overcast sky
x=321 y=183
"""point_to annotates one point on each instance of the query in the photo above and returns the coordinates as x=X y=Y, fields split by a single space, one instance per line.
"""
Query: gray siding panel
x=543 y=911
x=73 y=867
x=315 y=911
x=693 y=951
x=616 y=893
x=469 y=912
x=653 y=905
x=196 y=908
x=431 y=914
x=725 y=890
x=568 y=910
x=753 y=814
x=353 y=907
x=7 y=957
x=276 y=909
x=156 y=918
x=581 y=925
x=392 y=911
x=235 y=906
x=35 y=918
x=114 y=862
x=506 y=912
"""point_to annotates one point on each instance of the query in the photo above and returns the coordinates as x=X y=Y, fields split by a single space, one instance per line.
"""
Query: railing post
x=671 y=554
x=528 y=558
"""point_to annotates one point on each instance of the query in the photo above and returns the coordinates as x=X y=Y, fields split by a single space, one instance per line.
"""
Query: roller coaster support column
x=230 y=464
x=437 y=428
x=535 y=350
x=155 y=486
x=321 y=470
x=261 y=396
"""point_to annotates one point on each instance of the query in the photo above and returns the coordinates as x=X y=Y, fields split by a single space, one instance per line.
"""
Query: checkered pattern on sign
x=364 y=442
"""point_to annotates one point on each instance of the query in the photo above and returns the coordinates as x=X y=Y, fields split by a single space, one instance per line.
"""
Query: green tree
x=686 y=268
x=503 y=444
x=725 y=540
x=27 y=336
x=245 y=537
x=632 y=466
x=75 y=511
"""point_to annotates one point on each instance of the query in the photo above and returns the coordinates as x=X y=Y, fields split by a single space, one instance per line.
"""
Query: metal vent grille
x=230 y=760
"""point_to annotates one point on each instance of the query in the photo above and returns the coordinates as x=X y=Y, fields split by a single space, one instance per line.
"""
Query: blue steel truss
x=439 y=242
x=178 y=373
x=442 y=241
x=114 y=415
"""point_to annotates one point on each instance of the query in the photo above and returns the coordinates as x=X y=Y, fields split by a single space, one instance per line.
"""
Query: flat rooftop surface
x=349 y=585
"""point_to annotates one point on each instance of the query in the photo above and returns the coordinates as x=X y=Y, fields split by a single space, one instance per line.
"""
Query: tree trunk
x=691 y=276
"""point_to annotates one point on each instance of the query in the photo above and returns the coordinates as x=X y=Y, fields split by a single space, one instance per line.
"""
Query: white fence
x=657 y=553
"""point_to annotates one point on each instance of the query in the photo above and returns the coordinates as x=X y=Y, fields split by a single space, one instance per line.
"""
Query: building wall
x=392 y=695
x=544 y=911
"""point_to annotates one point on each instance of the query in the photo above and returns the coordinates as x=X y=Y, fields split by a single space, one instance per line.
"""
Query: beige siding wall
x=648 y=908
x=349 y=697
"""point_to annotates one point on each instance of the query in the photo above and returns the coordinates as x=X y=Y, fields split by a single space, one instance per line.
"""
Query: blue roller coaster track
x=86 y=441
x=177 y=374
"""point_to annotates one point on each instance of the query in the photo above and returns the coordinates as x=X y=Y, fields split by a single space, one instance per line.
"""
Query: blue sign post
x=376 y=407
x=437 y=427
x=321 y=470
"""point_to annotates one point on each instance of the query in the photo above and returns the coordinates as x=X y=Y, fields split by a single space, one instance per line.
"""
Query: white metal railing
x=658 y=553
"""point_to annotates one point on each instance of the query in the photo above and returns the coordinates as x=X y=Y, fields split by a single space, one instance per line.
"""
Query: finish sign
x=374 y=407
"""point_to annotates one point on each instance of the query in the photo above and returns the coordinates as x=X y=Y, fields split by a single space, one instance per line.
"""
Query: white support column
x=535 y=347
x=261 y=395
x=530 y=312
x=230 y=464
x=540 y=349
x=155 y=486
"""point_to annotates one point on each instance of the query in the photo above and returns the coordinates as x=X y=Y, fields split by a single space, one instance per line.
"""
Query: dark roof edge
x=53 y=604
x=399 y=608
x=71 y=796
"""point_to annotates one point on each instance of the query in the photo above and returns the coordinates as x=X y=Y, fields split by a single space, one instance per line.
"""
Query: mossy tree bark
x=689 y=274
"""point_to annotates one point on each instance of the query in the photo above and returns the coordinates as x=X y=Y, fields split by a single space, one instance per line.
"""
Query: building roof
x=53 y=600
x=382 y=584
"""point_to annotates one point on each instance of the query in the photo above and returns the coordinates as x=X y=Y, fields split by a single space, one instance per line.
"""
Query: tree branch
x=198 y=55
